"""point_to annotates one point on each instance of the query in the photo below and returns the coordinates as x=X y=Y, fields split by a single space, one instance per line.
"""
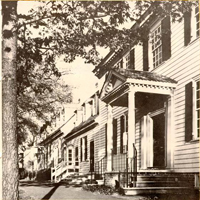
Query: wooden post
x=109 y=137
x=131 y=121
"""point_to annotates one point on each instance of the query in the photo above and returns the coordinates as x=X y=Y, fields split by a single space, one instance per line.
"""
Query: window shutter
x=187 y=28
x=188 y=111
x=132 y=59
x=166 y=38
x=86 y=148
x=81 y=149
x=106 y=139
x=121 y=133
x=121 y=63
x=145 y=55
x=115 y=136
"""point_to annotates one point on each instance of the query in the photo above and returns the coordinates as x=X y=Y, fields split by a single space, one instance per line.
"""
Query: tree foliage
x=73 y=29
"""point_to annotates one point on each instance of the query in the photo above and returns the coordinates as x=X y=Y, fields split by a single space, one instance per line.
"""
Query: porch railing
x=100 y=168
x=125 y=167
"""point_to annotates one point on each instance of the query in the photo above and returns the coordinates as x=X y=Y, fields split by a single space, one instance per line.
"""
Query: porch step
x=157 y=190
x=100 y=182
x=165 y=180
x=156 y=184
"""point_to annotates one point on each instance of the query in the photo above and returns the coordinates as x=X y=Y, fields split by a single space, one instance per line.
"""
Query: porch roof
x=144 y=75
x=142 y=81
x=83 y=127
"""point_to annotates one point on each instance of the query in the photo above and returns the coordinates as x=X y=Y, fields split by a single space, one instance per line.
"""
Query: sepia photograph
x=100 y=100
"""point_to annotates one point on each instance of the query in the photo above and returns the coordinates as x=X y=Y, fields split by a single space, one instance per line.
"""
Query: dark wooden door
x=159 y=141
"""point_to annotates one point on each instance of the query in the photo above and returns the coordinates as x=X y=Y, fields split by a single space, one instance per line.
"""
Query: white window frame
x=195 y=109
x=194 y=24
x=158 y=38
x=127 y=61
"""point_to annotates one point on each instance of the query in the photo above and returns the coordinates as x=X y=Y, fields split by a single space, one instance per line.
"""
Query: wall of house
x=182 y=66
x=100 y=135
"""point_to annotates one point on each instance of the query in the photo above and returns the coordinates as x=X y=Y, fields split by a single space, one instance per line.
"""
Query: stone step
x=157 y=190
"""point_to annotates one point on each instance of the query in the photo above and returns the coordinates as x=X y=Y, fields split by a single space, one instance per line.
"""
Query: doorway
x=159 y=141
x=92 y=156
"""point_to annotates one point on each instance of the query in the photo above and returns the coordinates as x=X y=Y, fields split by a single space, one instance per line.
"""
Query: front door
x=153 y=140
x=92 y=156
x=159 y=141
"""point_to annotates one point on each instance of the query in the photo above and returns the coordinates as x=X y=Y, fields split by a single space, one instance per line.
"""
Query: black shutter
x=187 y=28
x=145 y=55
x=115 y=136
x=121 y=63
x=85 y=147
x=106 y=139
x=188 y=111
x=132 y=59
x=121 y=133
x=81 y=149
x=166 y=38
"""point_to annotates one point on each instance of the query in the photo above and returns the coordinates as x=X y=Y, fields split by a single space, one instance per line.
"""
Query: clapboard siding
x=138 y=58
x=182 y=66
x=100 y=137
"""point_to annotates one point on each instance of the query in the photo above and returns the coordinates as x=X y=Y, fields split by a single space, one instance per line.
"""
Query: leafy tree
x=69 y=28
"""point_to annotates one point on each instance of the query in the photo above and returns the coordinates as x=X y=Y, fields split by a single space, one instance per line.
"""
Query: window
x=157 y=47
x=127 y=64
x=192 y=110
x=69 y=156
x=197 y=108
x=76 y=157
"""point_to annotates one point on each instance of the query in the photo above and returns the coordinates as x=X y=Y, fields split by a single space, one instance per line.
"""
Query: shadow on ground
x=50 y=193
x=37 y=183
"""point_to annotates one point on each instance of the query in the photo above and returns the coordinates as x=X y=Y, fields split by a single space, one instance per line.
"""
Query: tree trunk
x=10 y=175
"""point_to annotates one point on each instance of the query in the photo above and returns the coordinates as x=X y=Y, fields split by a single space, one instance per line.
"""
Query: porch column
x=131 y=121
x=109 y=137
x=170 y=132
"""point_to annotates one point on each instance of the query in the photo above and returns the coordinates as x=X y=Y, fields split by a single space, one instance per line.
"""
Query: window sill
x=193 y=141
x=151 y=69
x=193 y=41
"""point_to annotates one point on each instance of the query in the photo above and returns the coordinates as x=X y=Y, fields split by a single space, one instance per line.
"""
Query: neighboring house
x=80 y=143
x=152 y=99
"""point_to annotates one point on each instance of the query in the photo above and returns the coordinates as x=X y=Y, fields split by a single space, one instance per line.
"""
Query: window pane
x=198 y=85
x=196 y=10
x=198 y=103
